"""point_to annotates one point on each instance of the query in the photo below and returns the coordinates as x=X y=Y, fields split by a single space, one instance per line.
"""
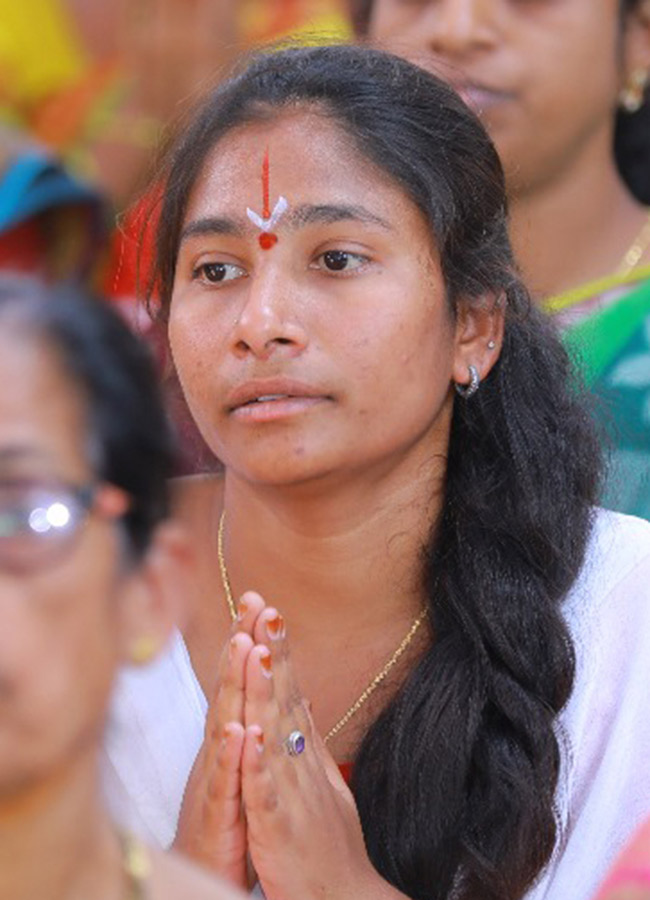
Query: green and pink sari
x=606 y=326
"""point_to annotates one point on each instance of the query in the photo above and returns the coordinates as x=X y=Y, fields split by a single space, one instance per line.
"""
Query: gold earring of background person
x=89 y=565
x=574 y=139
x=359 y=490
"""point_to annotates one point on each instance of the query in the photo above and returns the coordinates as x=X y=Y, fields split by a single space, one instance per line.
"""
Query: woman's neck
x=56 y=843
x=576 y=226
x=348 y=554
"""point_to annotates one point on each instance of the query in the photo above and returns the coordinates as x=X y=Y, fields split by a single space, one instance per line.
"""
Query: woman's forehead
x=42 y=410
x=302 y=156
x=302 y=133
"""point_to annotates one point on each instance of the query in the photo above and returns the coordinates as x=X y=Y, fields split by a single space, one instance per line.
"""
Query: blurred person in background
x=91 y=571
x=104 y=79
x=51 y=224
x=562 y=89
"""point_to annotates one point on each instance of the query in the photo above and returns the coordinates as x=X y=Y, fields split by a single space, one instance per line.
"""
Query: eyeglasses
x=39 y=520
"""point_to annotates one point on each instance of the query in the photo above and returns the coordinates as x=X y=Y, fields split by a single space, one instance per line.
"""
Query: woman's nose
x=269 y=319
x=455 y=27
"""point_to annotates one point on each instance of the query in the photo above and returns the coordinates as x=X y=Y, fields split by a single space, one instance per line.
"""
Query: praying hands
x=265 y=798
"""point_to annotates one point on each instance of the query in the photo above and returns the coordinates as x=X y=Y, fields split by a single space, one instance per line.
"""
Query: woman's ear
x=479 y=336
x=154 y=593
x=636 y=50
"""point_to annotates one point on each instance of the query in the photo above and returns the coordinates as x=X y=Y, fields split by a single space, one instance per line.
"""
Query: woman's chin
x=281 y=468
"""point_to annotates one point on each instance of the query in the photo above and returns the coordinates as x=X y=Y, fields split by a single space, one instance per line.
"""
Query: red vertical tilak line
x=266 y=210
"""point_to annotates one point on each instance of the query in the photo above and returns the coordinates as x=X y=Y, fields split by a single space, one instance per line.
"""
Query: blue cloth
x=35 y=182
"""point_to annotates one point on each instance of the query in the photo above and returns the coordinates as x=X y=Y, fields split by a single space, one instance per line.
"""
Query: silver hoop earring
x=632 y=97
x=468 y=390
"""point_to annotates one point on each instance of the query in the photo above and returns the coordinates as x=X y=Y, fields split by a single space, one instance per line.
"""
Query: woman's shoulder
x=608 y=607
x=604 y=785
x=617 y=557
x=175 y=878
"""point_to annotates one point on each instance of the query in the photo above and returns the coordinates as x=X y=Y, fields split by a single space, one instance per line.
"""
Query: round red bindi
x=267 y=240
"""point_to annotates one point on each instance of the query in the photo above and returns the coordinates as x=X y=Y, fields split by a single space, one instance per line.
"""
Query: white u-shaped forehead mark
x=281 y=206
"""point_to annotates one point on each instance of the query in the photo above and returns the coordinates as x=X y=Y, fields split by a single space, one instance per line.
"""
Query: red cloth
x=23 y=248
x=346 y=771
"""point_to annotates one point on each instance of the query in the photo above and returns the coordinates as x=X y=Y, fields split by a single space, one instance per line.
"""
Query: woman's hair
x=631 y=130
x=455 y=781
x=129 y=440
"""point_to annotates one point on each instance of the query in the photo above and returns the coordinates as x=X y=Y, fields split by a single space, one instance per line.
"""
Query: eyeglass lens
x=37 y=521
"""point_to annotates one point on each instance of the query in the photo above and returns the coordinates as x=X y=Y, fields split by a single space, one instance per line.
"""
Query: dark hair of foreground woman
x=455 y=780
x=131 y=441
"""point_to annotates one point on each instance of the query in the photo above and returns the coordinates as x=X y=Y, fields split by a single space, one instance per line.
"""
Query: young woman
x=574 y=138
x=408 y=490
x=88 y=570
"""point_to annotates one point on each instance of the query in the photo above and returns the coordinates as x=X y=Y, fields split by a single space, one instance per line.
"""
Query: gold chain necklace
x=376 y=681
x=636 y=250
x=136 y=864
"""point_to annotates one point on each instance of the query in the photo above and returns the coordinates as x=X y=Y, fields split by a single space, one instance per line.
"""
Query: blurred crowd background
x=87 y=89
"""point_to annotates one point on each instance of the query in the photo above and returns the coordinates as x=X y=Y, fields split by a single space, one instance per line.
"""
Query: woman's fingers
x=249 y=607
x=261 y=792
x=270 y=631
x=211 y=828
x=271 y=697
x=228 y=703
x=224 y=782
x=304 y=834
x=229 y=699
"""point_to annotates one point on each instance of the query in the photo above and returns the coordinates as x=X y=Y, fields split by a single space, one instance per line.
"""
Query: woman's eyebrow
x=213 y=225
x=329 y=213
x=305 y=214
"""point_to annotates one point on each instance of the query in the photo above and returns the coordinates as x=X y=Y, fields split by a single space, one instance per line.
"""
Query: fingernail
x=232 y=646
x=242 y=609
x=259 y=741
x=266 y=663
x=275 y=627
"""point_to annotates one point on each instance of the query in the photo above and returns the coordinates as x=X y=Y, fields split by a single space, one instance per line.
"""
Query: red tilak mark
x=267 y=240
x=266 y=210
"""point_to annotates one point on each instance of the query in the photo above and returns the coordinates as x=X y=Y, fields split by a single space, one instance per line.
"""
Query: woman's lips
x=270 y=409
x=481 y=99
x=266 y=400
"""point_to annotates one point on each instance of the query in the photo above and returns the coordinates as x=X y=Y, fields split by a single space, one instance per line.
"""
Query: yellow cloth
x=304 y=20
x=40 y=52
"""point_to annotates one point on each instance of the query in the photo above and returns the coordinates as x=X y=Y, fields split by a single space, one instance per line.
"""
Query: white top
x=158 y=716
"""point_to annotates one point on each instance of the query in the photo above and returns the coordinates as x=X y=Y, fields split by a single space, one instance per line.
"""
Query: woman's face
x=61 y=618
x=331 y=351
x=543 y=74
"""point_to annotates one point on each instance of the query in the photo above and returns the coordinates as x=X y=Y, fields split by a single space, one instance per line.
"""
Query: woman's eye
x=217 y=272
x=341 y=260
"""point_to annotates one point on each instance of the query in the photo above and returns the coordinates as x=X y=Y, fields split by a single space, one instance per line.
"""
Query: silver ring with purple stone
x=295 y=743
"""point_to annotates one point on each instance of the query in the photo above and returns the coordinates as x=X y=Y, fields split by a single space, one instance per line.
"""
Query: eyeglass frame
x=108 y=500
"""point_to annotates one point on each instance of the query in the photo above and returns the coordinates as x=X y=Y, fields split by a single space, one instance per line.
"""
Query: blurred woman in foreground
x=89 y=568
